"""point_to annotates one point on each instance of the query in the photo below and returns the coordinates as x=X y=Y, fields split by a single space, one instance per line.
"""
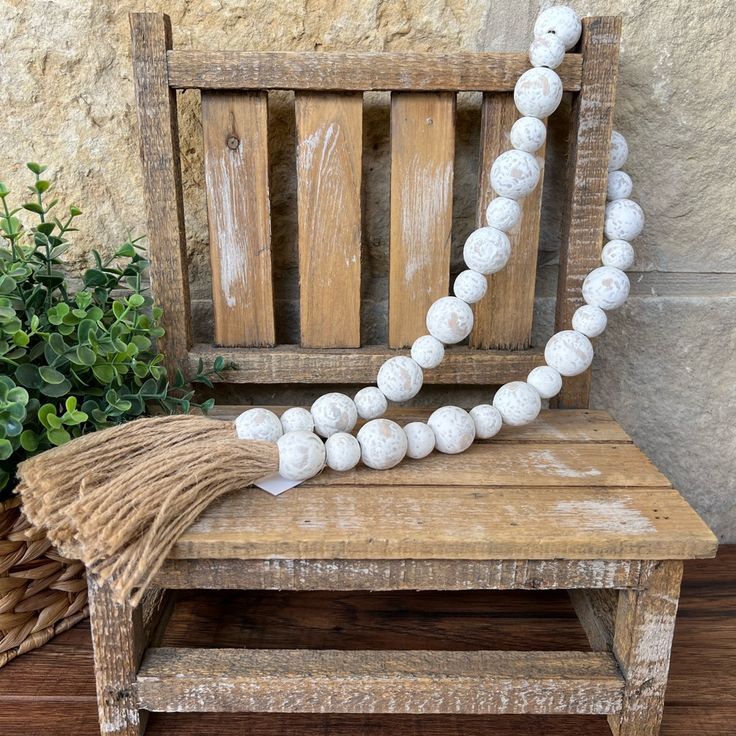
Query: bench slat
x=236 y=178
x=329 y=154
x=422 y=159
x=318 y=681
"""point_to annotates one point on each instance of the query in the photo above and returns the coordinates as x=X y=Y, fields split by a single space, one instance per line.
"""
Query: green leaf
x=51 y=375
x=136 y=300
x=127 y=250
x=105 y=374
x=94 y=277
x=21 y=339
x=33 y=207
x=42 y=185
x=118 y=309
x=58 y=436
x=29 y=440
x=71 y=403
x=84 y=356
x=13 y=427
x=36 y=168
x=44 y=412
x=219 y=364
x=18 y=395
x=8 y=285
x=4 y=191
x=6 y=449
x=75 y=211
x=27 y=375
x=55 y=390
x=207 y=406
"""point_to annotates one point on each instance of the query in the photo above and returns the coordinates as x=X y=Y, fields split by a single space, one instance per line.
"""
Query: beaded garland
x=382 y=443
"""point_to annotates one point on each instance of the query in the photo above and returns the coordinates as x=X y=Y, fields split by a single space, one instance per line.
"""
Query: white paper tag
x=276 y=484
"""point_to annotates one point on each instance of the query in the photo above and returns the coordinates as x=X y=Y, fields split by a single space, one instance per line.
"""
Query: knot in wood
x=233 y=142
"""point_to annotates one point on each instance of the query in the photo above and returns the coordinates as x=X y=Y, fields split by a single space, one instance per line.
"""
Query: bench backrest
x=328 y=106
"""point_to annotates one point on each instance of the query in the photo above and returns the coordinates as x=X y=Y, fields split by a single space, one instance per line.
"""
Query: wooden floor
x=50 y=692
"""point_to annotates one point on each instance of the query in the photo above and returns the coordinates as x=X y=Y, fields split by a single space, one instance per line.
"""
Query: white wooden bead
x=470 y=286
x=297 y=419
x=518 y=403
x=383 y=444
x=258 y=424
x=569 y=352
x=427 y=351
x=590 y=320
x=420 y=440
x=487 y=420
x=450 y=320
x=454 y=429
x=528 y=134
x=562 y=21
x=619 y=254
x=301 y=455
x=606 y=287
x=342 y=451
x=546 y=380
x=619 y=186
x=538 y=92
x=514 y=174
x=624 y=220
x=547 y=50
x=400 y=378
x=370 y=403
x=487 y=250
x=333 y=412
x=619 y=151
x=503 y=213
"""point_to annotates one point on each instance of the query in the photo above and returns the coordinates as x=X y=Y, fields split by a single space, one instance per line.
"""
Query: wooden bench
x=568 y=502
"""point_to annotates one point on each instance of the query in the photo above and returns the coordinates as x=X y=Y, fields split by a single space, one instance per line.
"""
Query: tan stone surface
x=665 y=365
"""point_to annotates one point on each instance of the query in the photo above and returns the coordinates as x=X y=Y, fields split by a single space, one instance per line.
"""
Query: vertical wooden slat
x=159 y=146
x=590 y=139
x=422 y=158
x=503 y=318
x=329 y=146
x=236 y=177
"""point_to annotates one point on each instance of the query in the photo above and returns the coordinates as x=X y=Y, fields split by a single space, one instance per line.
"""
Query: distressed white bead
x=590 y=320
x=487 y=250
x=297 y=419
x=547 y=50
x=333 y=412
x=400 y=378
x=546 y=380
x=528 y=134
x=454 y=429
x=470 y=286
x=427 y=351
x=514 y=174
x=606 y=287
x=619 y=151
x=619 y=185
x=562 y=21
x=624 y=220
x=370 y=402
x=487 y=420
x=538 y=92
x=450 y=320
x=503 y=213
x=518 y=403
x=619 y=254
x=342 y=451
x=569 y=352
x=383 y=444
x=420 y=440
x=258 y=424
x=301 y=455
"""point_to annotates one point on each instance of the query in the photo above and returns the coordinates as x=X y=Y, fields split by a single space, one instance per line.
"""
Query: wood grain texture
x=503 y=318
x=310 y=681
x=596 y=610
x=590 y=141
x=329 y=155
x=290 y=364
x=159 y=148
x=357 y=71
x=238 y=209
x=422 y=161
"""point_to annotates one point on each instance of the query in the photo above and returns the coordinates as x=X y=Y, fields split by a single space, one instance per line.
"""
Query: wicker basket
x=41 y=593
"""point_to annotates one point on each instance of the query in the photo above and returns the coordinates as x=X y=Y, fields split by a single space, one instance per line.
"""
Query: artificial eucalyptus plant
x=73 y=361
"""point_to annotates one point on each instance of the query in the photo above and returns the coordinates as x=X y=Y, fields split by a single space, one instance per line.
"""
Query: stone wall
x=665 y=365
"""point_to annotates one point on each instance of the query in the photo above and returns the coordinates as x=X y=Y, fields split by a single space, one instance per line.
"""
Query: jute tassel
x=122 y=522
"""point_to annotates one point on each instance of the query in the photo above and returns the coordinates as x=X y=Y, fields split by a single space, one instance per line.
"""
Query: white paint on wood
x=614 y=515
x=548 y=461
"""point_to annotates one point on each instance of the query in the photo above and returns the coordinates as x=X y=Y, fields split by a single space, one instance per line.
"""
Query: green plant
x=75 y=362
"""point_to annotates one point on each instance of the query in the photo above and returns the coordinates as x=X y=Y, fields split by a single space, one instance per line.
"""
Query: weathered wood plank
x=357 y=71
x=329 y=155
x=398 y=574
x=319 y=681
x=596 y=611
x=422 y=161
x=503 y=318
x=236 y=179
x=290 y=364
x=159 y=148
x=590 y=140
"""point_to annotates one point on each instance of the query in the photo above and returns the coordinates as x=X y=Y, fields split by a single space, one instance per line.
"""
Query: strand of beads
x=382 y=443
